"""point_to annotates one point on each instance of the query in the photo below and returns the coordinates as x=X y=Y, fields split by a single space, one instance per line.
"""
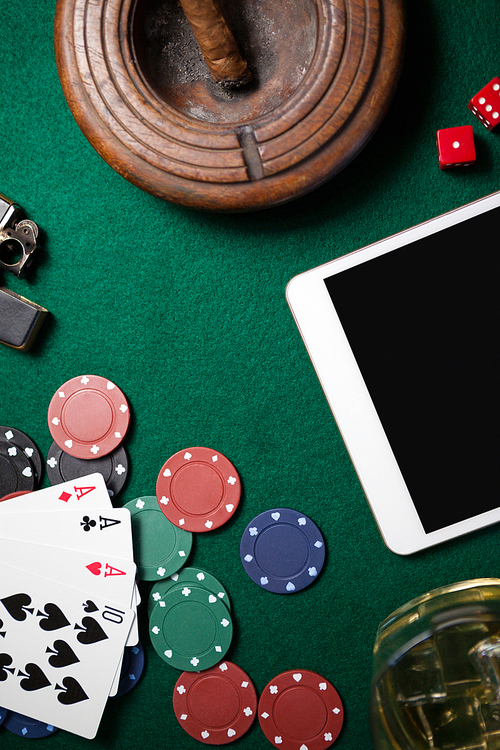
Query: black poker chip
x=3 y=714
x=15 y=437
x=61 y=467
x=17 y=473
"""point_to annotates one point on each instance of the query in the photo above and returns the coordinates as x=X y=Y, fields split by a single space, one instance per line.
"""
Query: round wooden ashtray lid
x=324 y=72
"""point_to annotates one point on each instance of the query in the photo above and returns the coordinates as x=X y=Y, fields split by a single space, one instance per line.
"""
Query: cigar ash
x=277 y=56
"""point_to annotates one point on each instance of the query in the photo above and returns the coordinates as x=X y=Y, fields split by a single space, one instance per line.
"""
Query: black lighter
x=20 y=319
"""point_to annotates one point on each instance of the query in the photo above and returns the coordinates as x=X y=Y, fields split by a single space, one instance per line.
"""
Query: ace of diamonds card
x=59 y=650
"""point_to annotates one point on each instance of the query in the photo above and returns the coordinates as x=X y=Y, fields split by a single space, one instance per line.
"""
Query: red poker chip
x=88 y=416
x=12 y=495
x=215 y=706
x=198 y=489
x=300 y=710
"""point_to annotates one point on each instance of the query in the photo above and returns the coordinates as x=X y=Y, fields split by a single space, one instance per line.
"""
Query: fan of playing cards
x=68 y=603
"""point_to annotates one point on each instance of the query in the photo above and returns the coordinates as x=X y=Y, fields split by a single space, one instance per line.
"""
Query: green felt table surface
x=186 y=312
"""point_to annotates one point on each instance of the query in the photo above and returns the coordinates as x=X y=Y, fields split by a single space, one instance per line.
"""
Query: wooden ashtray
x=324 y=72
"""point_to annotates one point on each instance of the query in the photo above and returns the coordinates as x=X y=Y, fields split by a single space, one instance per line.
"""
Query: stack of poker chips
x=88 y=418
x=198 y=489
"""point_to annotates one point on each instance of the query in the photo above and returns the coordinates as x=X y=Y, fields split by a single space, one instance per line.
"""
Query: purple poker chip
x=23 y=726
x=282 y=550
x=132 y=668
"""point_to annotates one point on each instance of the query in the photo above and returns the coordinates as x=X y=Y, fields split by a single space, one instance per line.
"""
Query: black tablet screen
x=422 y=322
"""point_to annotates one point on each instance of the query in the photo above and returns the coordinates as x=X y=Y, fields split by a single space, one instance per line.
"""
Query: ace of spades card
x=59 y=650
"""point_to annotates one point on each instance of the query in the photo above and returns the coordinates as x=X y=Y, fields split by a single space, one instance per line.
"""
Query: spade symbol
x=91 y=631
x=5 y=660
x=72 y=692
x=89 y=606
x=62 y=654
x=52 y=618
x=17 y=606
x=34 y=678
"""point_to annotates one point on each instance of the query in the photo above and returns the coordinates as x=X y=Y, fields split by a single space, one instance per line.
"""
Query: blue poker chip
x=132 y=668
x=3 y=714
x=23 y=726
x=282 y=550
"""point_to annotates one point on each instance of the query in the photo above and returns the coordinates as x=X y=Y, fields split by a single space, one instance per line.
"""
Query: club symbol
x=87 y=523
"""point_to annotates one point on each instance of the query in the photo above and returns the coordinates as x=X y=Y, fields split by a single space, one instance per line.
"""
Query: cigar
x=216 y=42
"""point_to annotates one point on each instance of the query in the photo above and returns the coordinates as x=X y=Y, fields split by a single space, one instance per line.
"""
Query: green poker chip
x=188 y=575
x=160 y=547
x=190 y=628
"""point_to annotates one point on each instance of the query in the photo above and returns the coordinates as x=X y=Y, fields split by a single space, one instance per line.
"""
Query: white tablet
x=403 y=335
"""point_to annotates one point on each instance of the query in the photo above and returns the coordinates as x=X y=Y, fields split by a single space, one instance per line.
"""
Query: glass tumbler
x=436 y=671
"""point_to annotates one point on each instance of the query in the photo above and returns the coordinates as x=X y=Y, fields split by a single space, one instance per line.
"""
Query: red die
x=486 y=104
x=456 y=147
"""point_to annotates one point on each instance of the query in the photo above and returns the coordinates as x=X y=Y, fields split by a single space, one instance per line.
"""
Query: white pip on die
x=485 y=105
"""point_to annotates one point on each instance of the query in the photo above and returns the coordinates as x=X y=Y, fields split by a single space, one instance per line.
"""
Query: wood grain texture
x=324 y=75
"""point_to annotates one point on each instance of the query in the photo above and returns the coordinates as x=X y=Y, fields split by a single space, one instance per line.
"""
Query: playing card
x=98 y=575
x=87 y=492
x=59 y=650
x=105 y=531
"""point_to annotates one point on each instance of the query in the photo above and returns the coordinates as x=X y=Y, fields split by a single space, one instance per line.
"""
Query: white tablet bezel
x=350 y=402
